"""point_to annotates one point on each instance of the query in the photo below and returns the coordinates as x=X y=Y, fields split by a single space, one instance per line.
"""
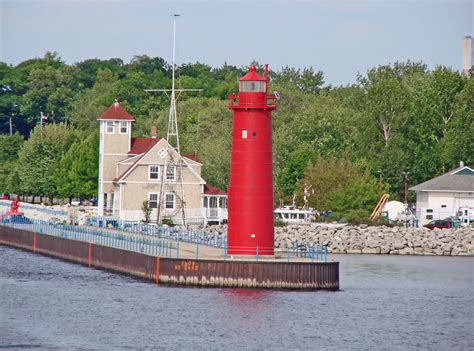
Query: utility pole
x=405 y=174
x=172 y=136
x=380 y=183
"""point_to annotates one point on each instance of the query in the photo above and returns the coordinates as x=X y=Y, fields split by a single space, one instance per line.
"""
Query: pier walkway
x=164 y=242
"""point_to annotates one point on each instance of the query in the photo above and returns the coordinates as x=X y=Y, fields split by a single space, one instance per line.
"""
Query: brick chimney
x=153 y=133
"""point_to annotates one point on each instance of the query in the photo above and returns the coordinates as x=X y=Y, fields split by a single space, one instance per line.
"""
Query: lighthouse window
x=252 y=86
x=244 y=133
x=254 y=134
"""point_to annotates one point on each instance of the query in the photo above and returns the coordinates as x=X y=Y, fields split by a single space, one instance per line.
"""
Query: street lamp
x=405 y=174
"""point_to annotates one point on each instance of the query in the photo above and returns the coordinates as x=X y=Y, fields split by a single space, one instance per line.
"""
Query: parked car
x=75 y=202
x=442 y=224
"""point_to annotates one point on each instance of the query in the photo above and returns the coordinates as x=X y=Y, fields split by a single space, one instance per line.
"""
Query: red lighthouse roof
x=252 y=75
x=117 y=113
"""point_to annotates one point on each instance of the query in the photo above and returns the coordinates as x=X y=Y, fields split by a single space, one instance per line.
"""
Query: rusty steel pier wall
x=173 y=271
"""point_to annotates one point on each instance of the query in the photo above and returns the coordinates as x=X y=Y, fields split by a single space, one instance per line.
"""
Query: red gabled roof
x=252 y=75
x=141 y=145
x=193 y=157
x=212 y=190
x=116 y=112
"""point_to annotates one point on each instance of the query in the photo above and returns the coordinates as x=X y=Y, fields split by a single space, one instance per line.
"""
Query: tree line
x=338 y=141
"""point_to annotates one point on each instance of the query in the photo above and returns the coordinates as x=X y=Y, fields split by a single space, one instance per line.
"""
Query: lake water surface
x=386 y=302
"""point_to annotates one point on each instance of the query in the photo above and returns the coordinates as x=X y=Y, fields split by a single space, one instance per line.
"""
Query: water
x=386 y=302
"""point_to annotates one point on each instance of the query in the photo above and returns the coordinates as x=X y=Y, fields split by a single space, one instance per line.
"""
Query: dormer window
x=110 y=127
x=249 y=86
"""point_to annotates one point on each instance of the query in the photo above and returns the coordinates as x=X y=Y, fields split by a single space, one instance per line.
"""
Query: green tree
x=9 y=148
x=88 y=69
x=146 y=209
x=39 y=158
x=346 y=188
x=51 y=91
x=357 y=199
x=77 y=173
x=307 y=80
x=89 y=105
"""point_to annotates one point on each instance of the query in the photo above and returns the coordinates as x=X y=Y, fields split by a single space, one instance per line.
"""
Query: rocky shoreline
x=365 y=239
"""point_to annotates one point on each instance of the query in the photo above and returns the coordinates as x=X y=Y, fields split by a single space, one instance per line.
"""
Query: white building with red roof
x=131 y=171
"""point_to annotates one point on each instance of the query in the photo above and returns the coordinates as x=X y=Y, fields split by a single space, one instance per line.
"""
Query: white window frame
x=223 y=202
x=157 y=172
x=150 y=201
x=174 y=173
x=166 y=201
x=110 y=124
x=245 y=133
x=122 y=124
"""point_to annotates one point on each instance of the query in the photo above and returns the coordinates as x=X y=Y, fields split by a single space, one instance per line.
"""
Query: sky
x=340 y=38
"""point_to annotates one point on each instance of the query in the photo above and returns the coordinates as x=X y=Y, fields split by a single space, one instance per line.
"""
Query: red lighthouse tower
x=250 y=190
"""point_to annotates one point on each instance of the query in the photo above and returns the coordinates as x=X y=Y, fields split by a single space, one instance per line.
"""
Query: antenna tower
x=172 y=137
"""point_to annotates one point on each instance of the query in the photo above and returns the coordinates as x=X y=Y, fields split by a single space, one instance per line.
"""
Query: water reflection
x=385 y=301
x=245 y=295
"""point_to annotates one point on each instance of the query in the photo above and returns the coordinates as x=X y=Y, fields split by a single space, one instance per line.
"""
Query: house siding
x=431 y=205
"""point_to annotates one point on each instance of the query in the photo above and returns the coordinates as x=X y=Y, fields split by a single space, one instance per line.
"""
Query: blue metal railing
x=170 y=233
x=150 y=246
x=153 y=240
x=296 y=249
x=305 y=250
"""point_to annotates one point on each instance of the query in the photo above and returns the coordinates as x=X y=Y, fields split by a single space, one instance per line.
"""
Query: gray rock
x=407 y=251
x=368 y=250
x=354 y=251
x=398 y=245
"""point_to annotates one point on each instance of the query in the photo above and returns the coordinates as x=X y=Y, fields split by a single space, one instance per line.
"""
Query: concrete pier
x=235 y=273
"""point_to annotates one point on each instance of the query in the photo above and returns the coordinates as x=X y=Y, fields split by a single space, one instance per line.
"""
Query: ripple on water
x=385 y=303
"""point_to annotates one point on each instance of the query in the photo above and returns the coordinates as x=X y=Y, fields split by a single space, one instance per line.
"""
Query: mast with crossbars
x=172 y=137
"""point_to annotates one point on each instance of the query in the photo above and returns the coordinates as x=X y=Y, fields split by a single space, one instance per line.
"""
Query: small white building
x=444 y=196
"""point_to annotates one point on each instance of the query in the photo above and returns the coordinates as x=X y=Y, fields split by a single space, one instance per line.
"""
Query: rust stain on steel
x=250 y=274
x=157 y=271
x=263 y=274
x=90 y=255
